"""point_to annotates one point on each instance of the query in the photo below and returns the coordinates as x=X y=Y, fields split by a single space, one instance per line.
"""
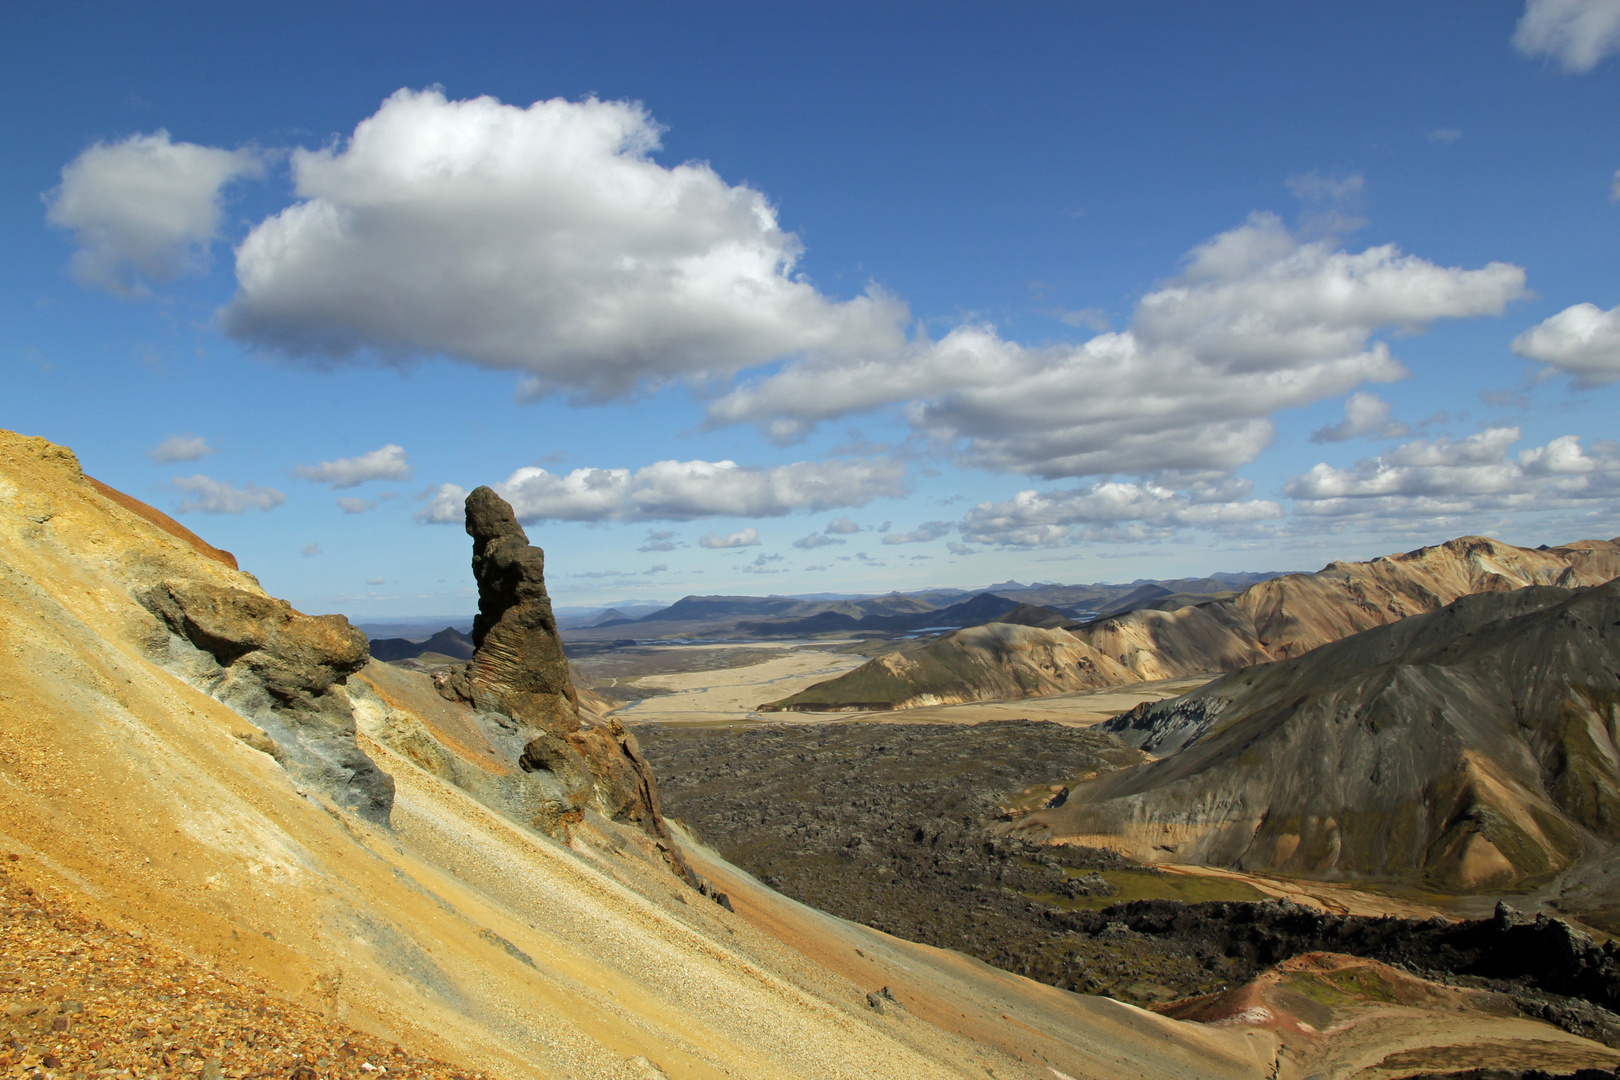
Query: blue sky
x=834 y=297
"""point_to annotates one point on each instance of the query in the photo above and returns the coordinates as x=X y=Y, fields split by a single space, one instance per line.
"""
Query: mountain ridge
x=1468 y=748
x=1271 y=620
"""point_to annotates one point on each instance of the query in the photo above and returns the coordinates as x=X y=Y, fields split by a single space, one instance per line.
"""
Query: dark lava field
x=892 y=825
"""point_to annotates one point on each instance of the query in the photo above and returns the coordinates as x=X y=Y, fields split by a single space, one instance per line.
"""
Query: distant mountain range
x=898 y=613
x=1274 y=619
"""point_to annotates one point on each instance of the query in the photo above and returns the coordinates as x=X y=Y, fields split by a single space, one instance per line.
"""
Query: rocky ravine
x=1276 y=619
x=1469 y=748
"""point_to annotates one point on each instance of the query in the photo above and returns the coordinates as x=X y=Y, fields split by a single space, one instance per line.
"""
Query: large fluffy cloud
x=1453 y=478
x=1583 y=341
x=541 y=239
x=684 y=490
x=143 y=209
x=1109 y=511
x=1576 y=33
x=1258 y=321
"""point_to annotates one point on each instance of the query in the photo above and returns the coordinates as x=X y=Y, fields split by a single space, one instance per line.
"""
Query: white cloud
x=684 y=490
x=384 y=463
x=1365 y=416
x=447 y=505
x=1582 y=341
x=144 y=209
x=663 y=540
x=1112 y=511
x=928 y=530
x=353 y=504
x=748 y=537
x=1445 y=136
x=376 y=581
x=1258 y=321
x=212 y=496
x=1450 y=478
x=762 y=565
x=842 y=526
x=543 y=240
x=815 y=540
x=1092 y=318
x=1576 y=33
x=309 y=551
x=960 y=549
x=180 y=448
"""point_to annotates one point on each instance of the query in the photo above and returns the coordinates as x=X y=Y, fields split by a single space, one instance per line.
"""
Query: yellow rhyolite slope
x=455 y=930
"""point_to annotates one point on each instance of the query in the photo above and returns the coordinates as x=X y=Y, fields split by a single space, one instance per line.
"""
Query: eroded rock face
x=518 y=671
x=517 y=666
x=286 y=672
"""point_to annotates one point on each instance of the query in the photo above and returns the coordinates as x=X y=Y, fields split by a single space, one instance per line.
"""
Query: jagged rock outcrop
x=1273 y=620
x=284 y=671
x=1469 y=748
x=518 y=671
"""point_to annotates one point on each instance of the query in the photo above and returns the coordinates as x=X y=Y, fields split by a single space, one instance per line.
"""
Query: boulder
x=286 y=672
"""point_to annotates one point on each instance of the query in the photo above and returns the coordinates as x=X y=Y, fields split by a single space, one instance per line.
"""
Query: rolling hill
x=1474 y=747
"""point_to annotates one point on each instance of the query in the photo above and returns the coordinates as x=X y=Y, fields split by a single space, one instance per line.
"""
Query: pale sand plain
x=733 y=695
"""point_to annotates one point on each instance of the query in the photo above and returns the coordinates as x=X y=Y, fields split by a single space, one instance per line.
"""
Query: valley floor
x=692 y=689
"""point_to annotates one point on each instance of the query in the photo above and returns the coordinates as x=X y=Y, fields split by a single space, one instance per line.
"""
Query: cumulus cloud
x=384 y=463
x=144 y=209
x=446 y=505
x=748 y=537
x=1258 y=321
x=353 y=504
x=210 y=496
x=1449 y=478
x=543 y=240
x=1582 y=341
x=928 y=530
x=1365 y=416
x=1109 y=511
x=1576 y=33
x=309 y=551
x=842 y=526
x=762 y=565
x=685 y=490
x=376 y=581
x=180 y=448
x=815 y=540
